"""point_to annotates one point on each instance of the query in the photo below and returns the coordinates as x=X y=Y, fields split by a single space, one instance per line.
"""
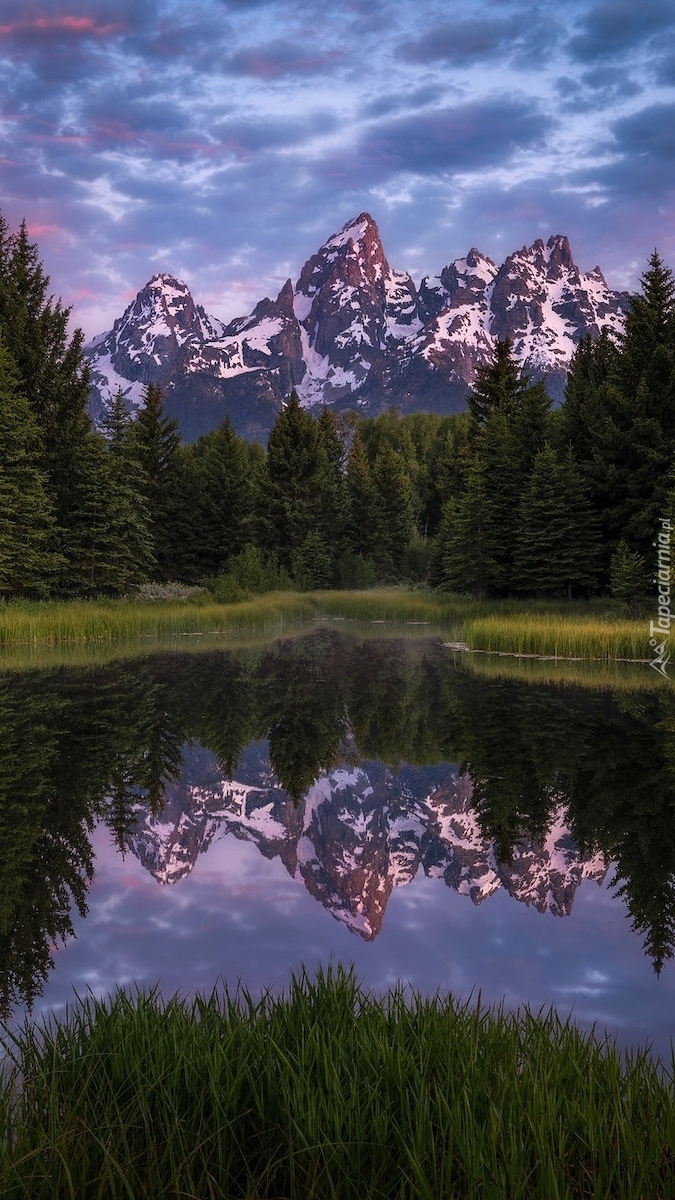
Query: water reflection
x=333 y=754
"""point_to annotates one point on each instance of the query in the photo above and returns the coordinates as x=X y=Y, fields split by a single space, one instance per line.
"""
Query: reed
x=329 y=1092
x=558 y=635
x=55 y=623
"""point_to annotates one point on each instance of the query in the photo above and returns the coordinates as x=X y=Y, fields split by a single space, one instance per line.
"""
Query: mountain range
x=353 y=333
x=359 y=832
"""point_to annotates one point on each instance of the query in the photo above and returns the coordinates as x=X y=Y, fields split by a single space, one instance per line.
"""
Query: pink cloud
x=77 y=26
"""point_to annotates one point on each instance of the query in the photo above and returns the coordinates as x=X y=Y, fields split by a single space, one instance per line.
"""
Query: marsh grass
x=329 y=1092
x=53 y=623
x=559 y=635
x=594 y=630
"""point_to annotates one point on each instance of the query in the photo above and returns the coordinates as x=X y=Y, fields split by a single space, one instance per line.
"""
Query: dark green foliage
x=311 y=564
x=109 y=546
x=329 y=1091
x=498 y=386
x=52 y=375
x=295 y=469
x=156 y=446
x=394 y=513
x=222 y=505
x=557 y=549
x=469 y=541
x=619 y=416
x=28 y=564
x=362 y=517
x=628 y=577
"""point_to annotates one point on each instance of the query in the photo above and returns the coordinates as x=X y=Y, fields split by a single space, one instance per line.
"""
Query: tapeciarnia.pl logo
x=659 y=631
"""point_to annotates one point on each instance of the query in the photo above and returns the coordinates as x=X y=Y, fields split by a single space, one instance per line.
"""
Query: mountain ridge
x=353 y=333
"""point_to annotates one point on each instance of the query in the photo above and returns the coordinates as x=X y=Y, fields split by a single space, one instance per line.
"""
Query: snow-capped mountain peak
x=354 y=332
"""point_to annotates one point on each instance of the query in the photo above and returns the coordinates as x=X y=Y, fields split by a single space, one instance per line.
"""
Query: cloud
x=601 y=86
x=277 y=58
x=391 y=102
x=460 y=42
x=454 y=139
x=615 y=28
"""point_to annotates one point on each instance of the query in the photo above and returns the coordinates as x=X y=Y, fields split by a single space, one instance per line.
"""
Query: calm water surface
x=226 y=816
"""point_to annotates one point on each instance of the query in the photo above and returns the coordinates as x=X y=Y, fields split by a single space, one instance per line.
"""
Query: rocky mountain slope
x=353 y=332
x=358 y=833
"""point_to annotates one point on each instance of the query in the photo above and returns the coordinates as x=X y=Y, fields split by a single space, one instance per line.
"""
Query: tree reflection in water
x=81 y=746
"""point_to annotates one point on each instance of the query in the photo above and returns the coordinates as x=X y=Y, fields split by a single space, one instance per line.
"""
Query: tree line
x=510 y=497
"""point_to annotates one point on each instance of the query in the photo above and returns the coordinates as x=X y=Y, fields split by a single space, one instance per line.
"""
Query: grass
x=559 y=635
x=593 y=630
x=329 y=1092
x=53 y=623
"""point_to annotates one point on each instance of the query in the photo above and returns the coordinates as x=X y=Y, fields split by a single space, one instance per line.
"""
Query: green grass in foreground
x=329 y=1092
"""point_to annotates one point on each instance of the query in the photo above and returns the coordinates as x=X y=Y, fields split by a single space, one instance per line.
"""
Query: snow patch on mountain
x=353 y=331
x=360 y=832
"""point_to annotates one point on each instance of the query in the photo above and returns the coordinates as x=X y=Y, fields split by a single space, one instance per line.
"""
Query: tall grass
x=578 y=631
x=331 y=1093
x=558 y=635
x=99 y=620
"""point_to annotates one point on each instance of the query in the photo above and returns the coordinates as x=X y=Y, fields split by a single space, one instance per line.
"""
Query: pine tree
x=498 y=385
x=291 y=485
x=224 y=498
x=361 y=502
x=331 y=498
x=469 y=539
x=51 y=367
x=629 y=579
x=557 y=541
x=395 y=509
x=129 y=514
x=28 y=561
x=157 y=445
x=110 y=550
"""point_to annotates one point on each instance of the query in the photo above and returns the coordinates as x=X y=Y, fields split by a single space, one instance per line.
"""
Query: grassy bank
x=558 y=634
x=330 y=1093
x=591 y=631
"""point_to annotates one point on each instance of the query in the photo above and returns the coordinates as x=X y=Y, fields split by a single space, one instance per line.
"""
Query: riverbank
x=328 y=1092
x=592 y=630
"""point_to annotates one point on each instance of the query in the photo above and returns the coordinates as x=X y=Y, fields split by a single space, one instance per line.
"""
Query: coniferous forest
x=510 y=498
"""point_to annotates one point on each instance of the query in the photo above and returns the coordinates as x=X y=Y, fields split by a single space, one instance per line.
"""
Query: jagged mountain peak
x=360 y=229
x=353 y=332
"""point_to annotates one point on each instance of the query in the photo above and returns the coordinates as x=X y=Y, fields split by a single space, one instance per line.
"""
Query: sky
x=223 y=141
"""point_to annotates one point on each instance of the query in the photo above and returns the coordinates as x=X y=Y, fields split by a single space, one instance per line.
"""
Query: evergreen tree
x=291 y=487
x=331 y=498
x=557 y=542
x=469 y=539
x=28 y=563
x=361 y=502
x=156 y=446
x=52 y=372
x=498 y=385
x=395 y=510
x=129 y=515
x=628 y=579
x=223 y=503
x=619 y=415
x=110 y=548
x=312 y=563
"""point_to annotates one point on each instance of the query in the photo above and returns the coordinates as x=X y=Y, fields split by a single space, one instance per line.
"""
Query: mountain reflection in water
x=333 y=753
x=358 y=832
